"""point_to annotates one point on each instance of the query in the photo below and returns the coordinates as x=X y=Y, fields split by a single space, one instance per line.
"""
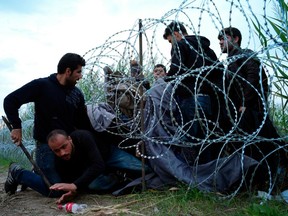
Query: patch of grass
x=182 y=201
x=4 y=164
x=194 y=202
x=271 y=208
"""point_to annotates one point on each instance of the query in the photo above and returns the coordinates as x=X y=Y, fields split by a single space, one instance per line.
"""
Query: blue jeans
x=118 y=159
x=193 y=112
x=35 y=182
x=45 y=159
x=191 y=118
x=122 y=160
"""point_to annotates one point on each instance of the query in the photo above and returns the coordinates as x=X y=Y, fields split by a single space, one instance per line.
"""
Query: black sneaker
x=11 y=183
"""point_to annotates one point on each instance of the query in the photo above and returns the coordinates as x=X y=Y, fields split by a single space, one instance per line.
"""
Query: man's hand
x=70 y=188
x=64 y=186
x=66 y=197
x=242 y=109
x=16 y=136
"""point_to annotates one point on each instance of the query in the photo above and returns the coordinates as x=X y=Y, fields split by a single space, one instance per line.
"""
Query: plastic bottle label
x=69 y=207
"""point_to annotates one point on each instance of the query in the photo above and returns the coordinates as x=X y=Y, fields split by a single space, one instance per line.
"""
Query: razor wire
x=109 y=87
x=117 y=52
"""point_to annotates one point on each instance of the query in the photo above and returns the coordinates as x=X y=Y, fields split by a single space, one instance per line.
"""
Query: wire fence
x=140 y=108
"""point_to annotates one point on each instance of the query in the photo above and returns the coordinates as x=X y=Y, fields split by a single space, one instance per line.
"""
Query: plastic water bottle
x=73 y=207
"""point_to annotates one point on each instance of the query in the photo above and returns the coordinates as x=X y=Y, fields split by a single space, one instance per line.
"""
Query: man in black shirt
x=59 y=104
x=78 y=162
x=247 y=87
x=192 y=61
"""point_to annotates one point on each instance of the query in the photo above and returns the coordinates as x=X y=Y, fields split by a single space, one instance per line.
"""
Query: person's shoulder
x=39 y=82
x=81 y=133
x=51 y=80
x=197 y=40
x=186 y=43
x=189 y=38
x=239 y=54
x=45 y=79
x=248 y=52
x=246 y=58
x=83 y=138
x=250 y=55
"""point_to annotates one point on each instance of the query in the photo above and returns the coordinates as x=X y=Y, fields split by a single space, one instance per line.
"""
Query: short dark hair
x=160 y=65
x=55 y=132
x=174 y=26
x=70 y=60
x=232 y=32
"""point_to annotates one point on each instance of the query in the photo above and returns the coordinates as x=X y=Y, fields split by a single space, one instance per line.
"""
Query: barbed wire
x=160 y=104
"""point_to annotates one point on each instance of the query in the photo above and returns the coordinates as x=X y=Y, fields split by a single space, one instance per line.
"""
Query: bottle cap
x=69 y=207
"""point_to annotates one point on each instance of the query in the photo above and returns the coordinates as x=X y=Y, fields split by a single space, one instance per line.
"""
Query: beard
x=70 y=82
x=66 y=157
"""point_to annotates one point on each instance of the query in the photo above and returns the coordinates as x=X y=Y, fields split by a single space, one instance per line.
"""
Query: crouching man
x=78 y=163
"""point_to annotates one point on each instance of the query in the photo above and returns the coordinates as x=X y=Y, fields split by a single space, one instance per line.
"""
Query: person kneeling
x=78 y=163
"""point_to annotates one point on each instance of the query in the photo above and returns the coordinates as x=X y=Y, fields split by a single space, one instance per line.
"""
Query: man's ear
x=68 y=71
x=236 y=39
x=178 y=36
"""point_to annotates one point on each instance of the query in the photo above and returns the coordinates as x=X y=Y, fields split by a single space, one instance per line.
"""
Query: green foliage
x=276 y=47
x=9 y=151
x=280 y=118
x=4 y=164
x=185 y=201
x=92 y=86
x=266 y=209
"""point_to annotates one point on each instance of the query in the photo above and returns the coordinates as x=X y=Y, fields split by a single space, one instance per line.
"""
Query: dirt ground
x=31 y=203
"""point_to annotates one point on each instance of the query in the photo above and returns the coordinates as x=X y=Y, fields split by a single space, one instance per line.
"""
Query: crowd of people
x=221 y=111
x=76 y=152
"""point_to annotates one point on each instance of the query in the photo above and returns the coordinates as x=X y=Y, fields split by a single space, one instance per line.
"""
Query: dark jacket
x=243 y=92
x=56 y=106
x=85 y=164
x=187 y=57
